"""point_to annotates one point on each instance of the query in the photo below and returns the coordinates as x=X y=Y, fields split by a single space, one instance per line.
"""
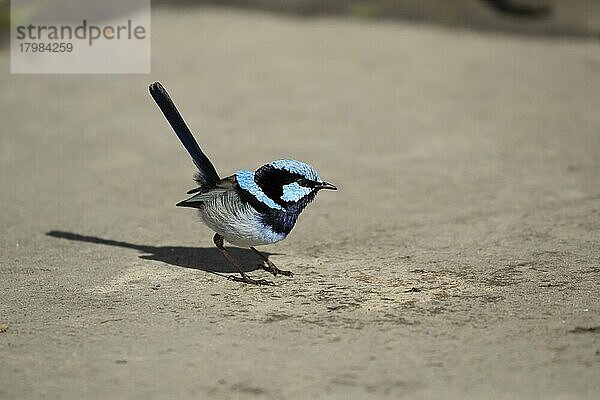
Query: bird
x=248 y=208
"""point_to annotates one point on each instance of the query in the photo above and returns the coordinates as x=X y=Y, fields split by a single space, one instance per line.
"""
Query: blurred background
x=569 y=17
x=542 y=17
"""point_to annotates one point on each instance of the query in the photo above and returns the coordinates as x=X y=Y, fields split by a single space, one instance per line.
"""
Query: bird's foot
x=246 y=279
x=271 y=268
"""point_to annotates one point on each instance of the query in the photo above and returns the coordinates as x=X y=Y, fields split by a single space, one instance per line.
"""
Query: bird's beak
x=326 y=185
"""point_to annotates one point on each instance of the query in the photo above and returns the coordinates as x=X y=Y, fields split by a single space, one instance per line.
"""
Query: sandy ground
x=458 y=260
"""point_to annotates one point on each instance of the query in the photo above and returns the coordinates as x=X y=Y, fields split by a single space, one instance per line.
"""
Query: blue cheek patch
x=294 y=192
x=246 y=181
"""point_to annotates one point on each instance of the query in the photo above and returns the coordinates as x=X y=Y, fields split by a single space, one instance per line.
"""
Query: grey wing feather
x=202 y=195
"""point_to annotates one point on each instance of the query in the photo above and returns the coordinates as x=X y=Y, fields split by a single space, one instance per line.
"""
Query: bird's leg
x=270 y=267
x=218 y=240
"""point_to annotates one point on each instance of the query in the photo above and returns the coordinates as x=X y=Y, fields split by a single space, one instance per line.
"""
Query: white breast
x=239 y=223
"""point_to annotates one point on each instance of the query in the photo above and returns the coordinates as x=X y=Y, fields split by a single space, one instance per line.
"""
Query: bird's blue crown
x=296 y=167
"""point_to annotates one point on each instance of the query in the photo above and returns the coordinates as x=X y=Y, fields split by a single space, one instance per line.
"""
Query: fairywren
x=248 y=208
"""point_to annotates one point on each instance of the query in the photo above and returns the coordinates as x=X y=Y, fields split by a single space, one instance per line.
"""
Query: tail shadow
x=207 y=259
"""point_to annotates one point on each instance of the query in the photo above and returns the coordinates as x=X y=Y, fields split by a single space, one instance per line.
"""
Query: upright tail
x=207 y=175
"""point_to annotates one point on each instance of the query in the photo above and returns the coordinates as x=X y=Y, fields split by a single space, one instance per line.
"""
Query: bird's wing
x=224 y=185
x=207 y=175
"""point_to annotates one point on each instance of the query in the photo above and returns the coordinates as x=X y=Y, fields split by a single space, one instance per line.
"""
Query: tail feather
x=207 y=175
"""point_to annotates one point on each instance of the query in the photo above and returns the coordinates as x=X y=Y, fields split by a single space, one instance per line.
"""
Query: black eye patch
x=306 y=183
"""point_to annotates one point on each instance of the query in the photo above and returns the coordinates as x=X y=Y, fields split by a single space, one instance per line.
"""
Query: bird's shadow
x=207 y=259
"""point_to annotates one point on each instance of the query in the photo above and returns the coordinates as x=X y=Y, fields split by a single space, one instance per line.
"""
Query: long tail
x=207 y=175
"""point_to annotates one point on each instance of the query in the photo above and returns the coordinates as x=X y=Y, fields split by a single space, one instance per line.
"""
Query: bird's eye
x=305 y=182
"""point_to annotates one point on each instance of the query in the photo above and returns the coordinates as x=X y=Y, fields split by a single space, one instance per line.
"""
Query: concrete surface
x=458 y=260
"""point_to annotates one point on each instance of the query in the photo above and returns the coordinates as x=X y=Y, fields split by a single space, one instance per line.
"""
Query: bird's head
x=291 y=184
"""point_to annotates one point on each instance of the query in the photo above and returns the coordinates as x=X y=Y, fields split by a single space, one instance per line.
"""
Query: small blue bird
x=248 y=208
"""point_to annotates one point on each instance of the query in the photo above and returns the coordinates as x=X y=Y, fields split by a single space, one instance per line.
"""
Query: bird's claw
x=285 y=273
x=247 y=279
x=272 y=269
